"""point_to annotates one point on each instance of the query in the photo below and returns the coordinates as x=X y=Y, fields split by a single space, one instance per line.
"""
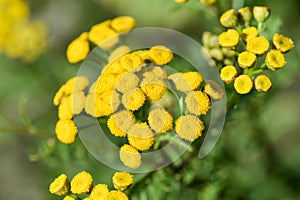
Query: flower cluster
x=242 y=52
x=20 y=37
x=81 y=186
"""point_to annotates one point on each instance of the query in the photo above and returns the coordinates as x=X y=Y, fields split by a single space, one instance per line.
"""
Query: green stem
x=32 y=131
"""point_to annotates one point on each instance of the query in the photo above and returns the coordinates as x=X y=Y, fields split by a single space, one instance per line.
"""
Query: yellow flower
x=189 y=127
x=160 y=120
x=106 y=83
x=229 y=18
x=59 y=95
x=131 y=62
x=262 y=83
x=130 y=157
x=186 y=81
x=140 y=136
x=229 y=39
x=87 y=198
x=261 y=13
x=116 y=195
x=258 y=45
x=249 y=33
x=228 y=73
x=81 y=183
x=127 y=82
x=123 y=23
x=122 y=180
x=118 y=52
x=153 y=89
x=69 y=198
x=60 y=186
x=275 y=59
x=213 y=90
x=197 y=102
x=155 y=72
x=99 y=192
x=208 y=2
x=103 y=36
x=78 y=49
x=75 y=84
x=160 y=55
x=143 y=54
x=65 y=108
x=181 y=1
x=246 y=59
x=120 y=122
x=246 y=14
x=243 y=84
x=133 y=99
x=66 y=131
x=282 y=43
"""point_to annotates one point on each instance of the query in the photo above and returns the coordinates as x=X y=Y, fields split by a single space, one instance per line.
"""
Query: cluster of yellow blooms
x=20 y=37
x=81 y=186
x=248 y=52
x=126 y=83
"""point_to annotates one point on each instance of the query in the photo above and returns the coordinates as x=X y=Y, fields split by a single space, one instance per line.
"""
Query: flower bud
x=208 y=2
x=245 y=13
x=261 y=13
x=229 y=19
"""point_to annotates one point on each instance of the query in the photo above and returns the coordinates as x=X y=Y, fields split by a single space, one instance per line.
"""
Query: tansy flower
x=155 y=72
x=261 y=13
x=122 y=180
x=118 y=52
x=249 y=33
x=197 y=102
x=127 y=82
x=275 y=60
x=258 y=45
x=208 y=2
x=69 y=198
x=246 y=59
x=123 y=23
x=99 y=192
x=87 y=198
x=243 y=84
x=65 y=108
x=116 y=195
x=160 y=55
x=140 y=136
x=143 y=54
x=130 y=157
x=60 y=186
x=81 y=183
x=262 y=83
x=133 y=99
x=78 y=49
x=120 y=122
x=186 y=81
x=153 y=89
x=213 y=90
x=282 y=43
x=181 y=1
x=229 y=18
x=228 y=73
x=216 y=54
x=246 y=14
x=131 y=62
x=59 y=95
x=75 y=84
x=106 y=83
x=160 y=120
x=228 y=39
x=189 y=127
x=66 y=131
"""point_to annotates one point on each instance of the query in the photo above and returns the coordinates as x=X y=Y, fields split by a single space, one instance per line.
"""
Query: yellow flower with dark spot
x=81 y=183
x=123 y=23
x=189 y=127
x=213 y=89
x=133 y=99
x=275 y=59
x=118 y=52
x=131 y=62
x=262 y=83
x=249 y=33
x=99 y=192
x=245 y=13
x=130 y=157
x=282 y=43
x=60 y=186
x=120 y=122
x=197 y=102
x=160 y=120
x=243 y=84
x=66 y=131
x=261 y=13
x=116 y=195
x=69 y=198
x=186 y=81
x=160 y=55
x=258 y=45
x=246 y=59
x=122 y=180
x=229 y=39
x=127 y=82
x=78 y=49
x=229 y=18
x=228 y=73
x=140 y=136
x=153 y=89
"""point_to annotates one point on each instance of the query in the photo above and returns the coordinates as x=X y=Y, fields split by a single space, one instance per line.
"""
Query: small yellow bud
x=245 y=13
x=229 y=19
x=261 y=13
x=262 y=83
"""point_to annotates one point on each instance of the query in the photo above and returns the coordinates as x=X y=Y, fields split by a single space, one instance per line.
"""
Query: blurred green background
x=257 y=156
